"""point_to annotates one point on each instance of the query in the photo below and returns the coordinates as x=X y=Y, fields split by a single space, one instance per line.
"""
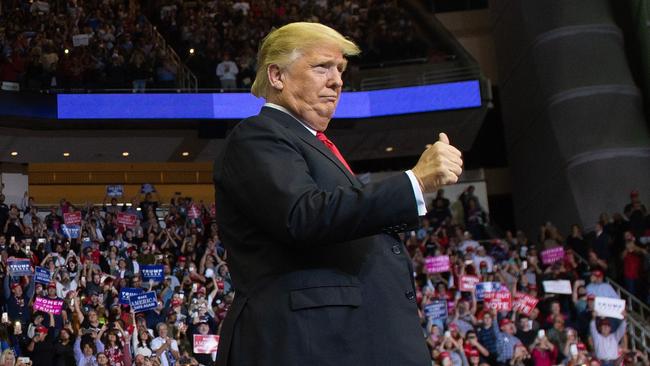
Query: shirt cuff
x=419 y=197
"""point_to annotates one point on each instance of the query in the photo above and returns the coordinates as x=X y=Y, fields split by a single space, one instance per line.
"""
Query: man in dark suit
x=320 y=277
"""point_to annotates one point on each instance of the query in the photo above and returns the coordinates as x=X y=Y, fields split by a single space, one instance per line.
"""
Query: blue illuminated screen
x=376 y=103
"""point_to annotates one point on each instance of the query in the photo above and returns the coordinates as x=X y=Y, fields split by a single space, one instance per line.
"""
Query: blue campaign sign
x=19 y=267
x=152 y=272
x=143 y=302
x=127 y=292
x=483 y=287
x=42 y=275
x=436 y=310
x=71 y=231
x=116 y=190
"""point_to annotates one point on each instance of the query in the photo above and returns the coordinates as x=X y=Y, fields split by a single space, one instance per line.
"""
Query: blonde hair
x=284 y=45
x=5 y=353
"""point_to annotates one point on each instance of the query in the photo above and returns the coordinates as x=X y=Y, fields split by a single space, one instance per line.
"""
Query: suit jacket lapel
x=289 y=122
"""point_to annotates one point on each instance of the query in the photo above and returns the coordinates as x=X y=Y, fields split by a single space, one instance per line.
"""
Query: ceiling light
x=66 y=154
x=125 y=154
x=185 y=153
x=389 y=149
x=14 y=153
x=191 y=51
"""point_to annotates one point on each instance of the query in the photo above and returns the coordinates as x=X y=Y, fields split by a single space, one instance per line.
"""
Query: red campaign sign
x=72 y=218
x=206 y=343
x=524 y=303
x=126 y=219
x=437 y=264
x=468 y=282
x=499 y=300
x=550 y=256
x=194 y=212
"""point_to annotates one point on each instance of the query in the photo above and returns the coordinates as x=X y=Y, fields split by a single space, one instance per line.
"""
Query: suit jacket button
x=410 y=295
x=396 y=249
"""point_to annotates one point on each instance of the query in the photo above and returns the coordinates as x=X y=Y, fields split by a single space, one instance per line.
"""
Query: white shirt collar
x=282 y=109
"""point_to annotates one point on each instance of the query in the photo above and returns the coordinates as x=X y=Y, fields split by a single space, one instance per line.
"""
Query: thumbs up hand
x=439 y=165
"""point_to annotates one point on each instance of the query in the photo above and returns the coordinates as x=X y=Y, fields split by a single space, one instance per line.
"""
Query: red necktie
x=330 y=145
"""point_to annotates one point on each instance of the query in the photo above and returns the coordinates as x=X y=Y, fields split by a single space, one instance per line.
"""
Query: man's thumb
x=443 y=138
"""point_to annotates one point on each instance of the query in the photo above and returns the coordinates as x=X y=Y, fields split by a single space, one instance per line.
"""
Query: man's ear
x=275 y=76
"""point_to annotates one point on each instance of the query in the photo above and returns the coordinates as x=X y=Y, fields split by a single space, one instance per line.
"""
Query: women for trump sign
x=437 y=264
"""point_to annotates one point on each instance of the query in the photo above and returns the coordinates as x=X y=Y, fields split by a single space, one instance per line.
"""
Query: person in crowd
x=606 y=342
x=598 y=287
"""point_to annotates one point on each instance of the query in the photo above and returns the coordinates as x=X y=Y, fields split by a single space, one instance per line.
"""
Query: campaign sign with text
x=116 y=190
x=609 y=307
x=524 y=303
x=72 y=218
x=127 y=292
x=143 y=302
x=558 y=287
x=50 y=306
x=147 y=188
x=42 y=275
x=436 y=310
x=127 y=219
x=19 y=266
x=71 y=231
x=500 y=300
x=550 y=256
x=468 y=282
x=152 y=272
x=437 y=264
x=207 y=343
x=194 y=212
x=484 y=287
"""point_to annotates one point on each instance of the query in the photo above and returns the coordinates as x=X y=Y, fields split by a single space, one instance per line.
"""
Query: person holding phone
x=543 y=351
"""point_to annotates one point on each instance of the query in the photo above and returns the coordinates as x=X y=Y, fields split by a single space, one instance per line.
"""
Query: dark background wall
x=573 y=117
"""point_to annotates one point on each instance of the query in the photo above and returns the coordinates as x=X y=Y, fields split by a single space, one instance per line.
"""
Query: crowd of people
x=77 y=44
x=89 y=271
x=222 y=31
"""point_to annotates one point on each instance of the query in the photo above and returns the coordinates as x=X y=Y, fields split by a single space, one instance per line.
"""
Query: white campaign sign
x=611 y=308
x=558 y=287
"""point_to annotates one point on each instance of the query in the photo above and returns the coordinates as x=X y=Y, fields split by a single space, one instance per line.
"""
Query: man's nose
x=336 y=79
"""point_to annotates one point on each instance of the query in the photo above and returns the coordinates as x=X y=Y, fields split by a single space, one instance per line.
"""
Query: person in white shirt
x=227 y=72
x=481 y=256
x=165 y=347
x=605 y=342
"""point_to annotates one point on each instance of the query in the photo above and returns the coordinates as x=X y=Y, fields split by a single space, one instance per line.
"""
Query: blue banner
x=127 y=292
x=42 y=275
x=115 y=190
x=436 y=310
x=19 y=267
x=483 y=287
x=152 y=272
x=143 y=302
x=71 y=231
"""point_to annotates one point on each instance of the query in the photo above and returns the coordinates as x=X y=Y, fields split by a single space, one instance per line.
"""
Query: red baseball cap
x=597 y=273
x=453 y=326
x=181 y=259
x=472 y=353
x=176 y=302
x=504 y=321
x=15 y=285
x=51 y=285
x=41 y=329
x=444 y=355
x=201 y=290
x=591 y=297
x=582 y=347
